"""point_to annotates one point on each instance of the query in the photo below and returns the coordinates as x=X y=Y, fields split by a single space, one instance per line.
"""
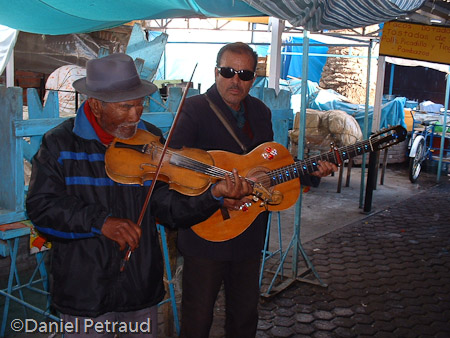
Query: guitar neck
x=309 y=165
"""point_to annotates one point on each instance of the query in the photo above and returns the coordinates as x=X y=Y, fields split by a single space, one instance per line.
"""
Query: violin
x=189 y=171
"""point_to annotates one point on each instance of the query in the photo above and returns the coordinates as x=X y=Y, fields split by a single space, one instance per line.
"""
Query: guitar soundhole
x=260 y=176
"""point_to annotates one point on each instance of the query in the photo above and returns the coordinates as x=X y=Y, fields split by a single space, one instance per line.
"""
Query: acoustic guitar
x=275 y=179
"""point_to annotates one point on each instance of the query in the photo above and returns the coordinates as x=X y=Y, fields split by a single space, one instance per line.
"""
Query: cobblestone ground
x=387 y=276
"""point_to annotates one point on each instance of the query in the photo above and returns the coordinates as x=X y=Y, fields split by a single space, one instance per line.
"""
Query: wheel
x=415 y=163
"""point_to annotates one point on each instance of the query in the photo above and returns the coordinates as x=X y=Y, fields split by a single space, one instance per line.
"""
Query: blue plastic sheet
x=64 y=17
x=392 y=112
x=292 y=63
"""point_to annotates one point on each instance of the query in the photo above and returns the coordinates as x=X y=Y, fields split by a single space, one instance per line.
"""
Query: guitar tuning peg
x=332 y=145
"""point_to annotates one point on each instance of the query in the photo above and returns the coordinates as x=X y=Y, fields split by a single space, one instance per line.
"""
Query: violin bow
x=158 y=168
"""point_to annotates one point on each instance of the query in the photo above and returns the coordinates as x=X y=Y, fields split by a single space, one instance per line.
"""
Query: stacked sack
x=324 y=128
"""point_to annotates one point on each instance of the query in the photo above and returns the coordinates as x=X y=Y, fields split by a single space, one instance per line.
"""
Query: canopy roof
x=63 y=17
x=335 y=14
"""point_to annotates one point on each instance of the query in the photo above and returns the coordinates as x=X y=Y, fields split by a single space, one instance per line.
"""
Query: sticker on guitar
x=269 y=153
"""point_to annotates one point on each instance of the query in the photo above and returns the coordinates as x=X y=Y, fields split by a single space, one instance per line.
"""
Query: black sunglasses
x=228 y=73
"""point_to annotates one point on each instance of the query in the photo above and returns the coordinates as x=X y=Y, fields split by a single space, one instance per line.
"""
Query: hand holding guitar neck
x=233 y=187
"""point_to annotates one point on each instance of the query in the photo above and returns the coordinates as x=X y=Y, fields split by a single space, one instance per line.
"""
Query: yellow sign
x=414 y=41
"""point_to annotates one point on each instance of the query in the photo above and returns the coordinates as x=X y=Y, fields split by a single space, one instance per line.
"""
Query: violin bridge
x=151 y=150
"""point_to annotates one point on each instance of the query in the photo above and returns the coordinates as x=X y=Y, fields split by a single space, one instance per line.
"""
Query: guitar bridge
x=266 y=197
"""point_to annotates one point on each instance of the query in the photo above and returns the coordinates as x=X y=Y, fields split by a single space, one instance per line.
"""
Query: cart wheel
x=415 y=163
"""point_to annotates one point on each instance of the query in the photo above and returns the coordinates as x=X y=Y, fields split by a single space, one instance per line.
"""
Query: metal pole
x=366 y=123
x=297 y=245
x=391 y=81
x=10 y=71
x=300 y=150
x=371 y=181
x=378 y=93
x=275 y=54
x=444 y=127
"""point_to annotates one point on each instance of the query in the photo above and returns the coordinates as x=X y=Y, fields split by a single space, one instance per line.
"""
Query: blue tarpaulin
x=63 y=17
x=292 y=61
x=392 y=112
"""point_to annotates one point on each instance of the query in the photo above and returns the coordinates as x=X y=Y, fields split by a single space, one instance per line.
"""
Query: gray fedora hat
x=113 y=78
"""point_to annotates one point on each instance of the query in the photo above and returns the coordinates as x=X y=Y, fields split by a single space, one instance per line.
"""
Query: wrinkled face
x=234 y=90
x=119 y=119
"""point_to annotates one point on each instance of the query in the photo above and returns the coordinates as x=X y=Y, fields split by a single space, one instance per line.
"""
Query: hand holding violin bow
x=122 y=231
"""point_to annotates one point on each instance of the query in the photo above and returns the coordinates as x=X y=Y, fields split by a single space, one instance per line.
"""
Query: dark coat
x=69 y=198
x=198 y=127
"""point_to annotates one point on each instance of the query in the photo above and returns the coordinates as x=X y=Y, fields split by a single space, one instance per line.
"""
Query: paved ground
x=387 y=275
x=387 y=272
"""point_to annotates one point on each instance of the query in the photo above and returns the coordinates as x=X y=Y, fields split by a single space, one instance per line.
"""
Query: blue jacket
x=69 y=198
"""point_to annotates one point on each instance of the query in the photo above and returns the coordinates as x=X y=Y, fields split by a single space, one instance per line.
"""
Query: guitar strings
x=210 y=170
x=213 y=171
x=311 y=162
x=357 y=147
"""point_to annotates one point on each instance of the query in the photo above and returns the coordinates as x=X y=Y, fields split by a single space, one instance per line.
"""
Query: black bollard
x=371 y=181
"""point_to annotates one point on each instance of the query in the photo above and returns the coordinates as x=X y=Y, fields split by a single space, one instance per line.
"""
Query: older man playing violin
x=92 y=219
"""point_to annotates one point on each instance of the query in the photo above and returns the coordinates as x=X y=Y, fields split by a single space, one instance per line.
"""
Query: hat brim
x=144 y=89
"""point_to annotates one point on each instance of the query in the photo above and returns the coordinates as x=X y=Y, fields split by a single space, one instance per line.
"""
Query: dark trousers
x=202 y=279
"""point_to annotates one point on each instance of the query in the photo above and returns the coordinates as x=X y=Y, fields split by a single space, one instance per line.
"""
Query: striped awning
x=317 y=15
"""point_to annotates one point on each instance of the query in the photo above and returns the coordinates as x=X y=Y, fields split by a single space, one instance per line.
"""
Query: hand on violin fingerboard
x=234 y=187
x=122 y=231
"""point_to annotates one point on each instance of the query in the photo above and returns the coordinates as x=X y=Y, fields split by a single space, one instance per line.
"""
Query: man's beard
x=125 y=130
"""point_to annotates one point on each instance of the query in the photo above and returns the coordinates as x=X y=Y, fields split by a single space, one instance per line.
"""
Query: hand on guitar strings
x=324 y=168
x=235 y=190
x=122 y=231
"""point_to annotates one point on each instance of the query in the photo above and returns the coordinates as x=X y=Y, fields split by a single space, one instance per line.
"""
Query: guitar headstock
x=387 y=137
